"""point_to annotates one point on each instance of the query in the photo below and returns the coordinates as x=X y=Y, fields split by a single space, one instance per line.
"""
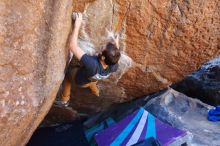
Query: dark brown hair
x=111 y=54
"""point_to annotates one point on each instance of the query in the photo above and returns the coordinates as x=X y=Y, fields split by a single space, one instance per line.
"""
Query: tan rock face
x=164 y=39
x=33 y=36
x=161 y=40
x=167 y=40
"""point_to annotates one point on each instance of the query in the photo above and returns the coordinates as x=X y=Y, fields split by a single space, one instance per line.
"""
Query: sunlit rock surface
x=163 y=41
x=33 y=37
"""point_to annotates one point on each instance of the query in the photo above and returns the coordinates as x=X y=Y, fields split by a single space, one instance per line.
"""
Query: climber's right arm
x=77 y=51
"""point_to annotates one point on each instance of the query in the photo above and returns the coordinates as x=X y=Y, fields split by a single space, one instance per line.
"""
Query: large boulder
x=33 y=36
x=162 y=41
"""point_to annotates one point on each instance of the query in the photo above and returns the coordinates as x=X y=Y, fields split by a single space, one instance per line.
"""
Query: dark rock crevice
x=203 y=84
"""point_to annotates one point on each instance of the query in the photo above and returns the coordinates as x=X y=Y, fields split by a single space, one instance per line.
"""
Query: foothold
x=19 y=89
x=2 y=102
x=6 y=93
x=22 y=102
x=17 y=103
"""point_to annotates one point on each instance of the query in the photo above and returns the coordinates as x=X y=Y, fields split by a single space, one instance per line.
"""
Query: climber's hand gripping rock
x=78 y=19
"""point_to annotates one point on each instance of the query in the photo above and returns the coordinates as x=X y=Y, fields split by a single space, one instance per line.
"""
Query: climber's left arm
x=77 y=51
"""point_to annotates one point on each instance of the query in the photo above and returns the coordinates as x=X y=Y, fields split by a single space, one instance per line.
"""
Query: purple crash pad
x=136 y=127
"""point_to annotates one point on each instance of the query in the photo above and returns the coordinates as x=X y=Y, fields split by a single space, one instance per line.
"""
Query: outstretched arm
x=77 y=51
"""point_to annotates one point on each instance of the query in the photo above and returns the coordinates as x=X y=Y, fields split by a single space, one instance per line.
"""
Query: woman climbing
x=93 y=68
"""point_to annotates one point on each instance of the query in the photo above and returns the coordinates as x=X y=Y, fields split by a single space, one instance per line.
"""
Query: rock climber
x=93 y=68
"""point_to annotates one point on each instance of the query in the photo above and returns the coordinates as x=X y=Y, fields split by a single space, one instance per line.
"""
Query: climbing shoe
x=60 y=103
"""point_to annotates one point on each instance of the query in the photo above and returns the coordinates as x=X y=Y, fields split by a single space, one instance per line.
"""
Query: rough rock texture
x=203 y=84
x=33 y=36
x=164 y=39
x=188 y=114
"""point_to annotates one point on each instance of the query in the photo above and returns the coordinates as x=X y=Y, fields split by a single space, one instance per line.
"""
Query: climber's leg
x=66 y=90
x=93 y=87
x=67 y=84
